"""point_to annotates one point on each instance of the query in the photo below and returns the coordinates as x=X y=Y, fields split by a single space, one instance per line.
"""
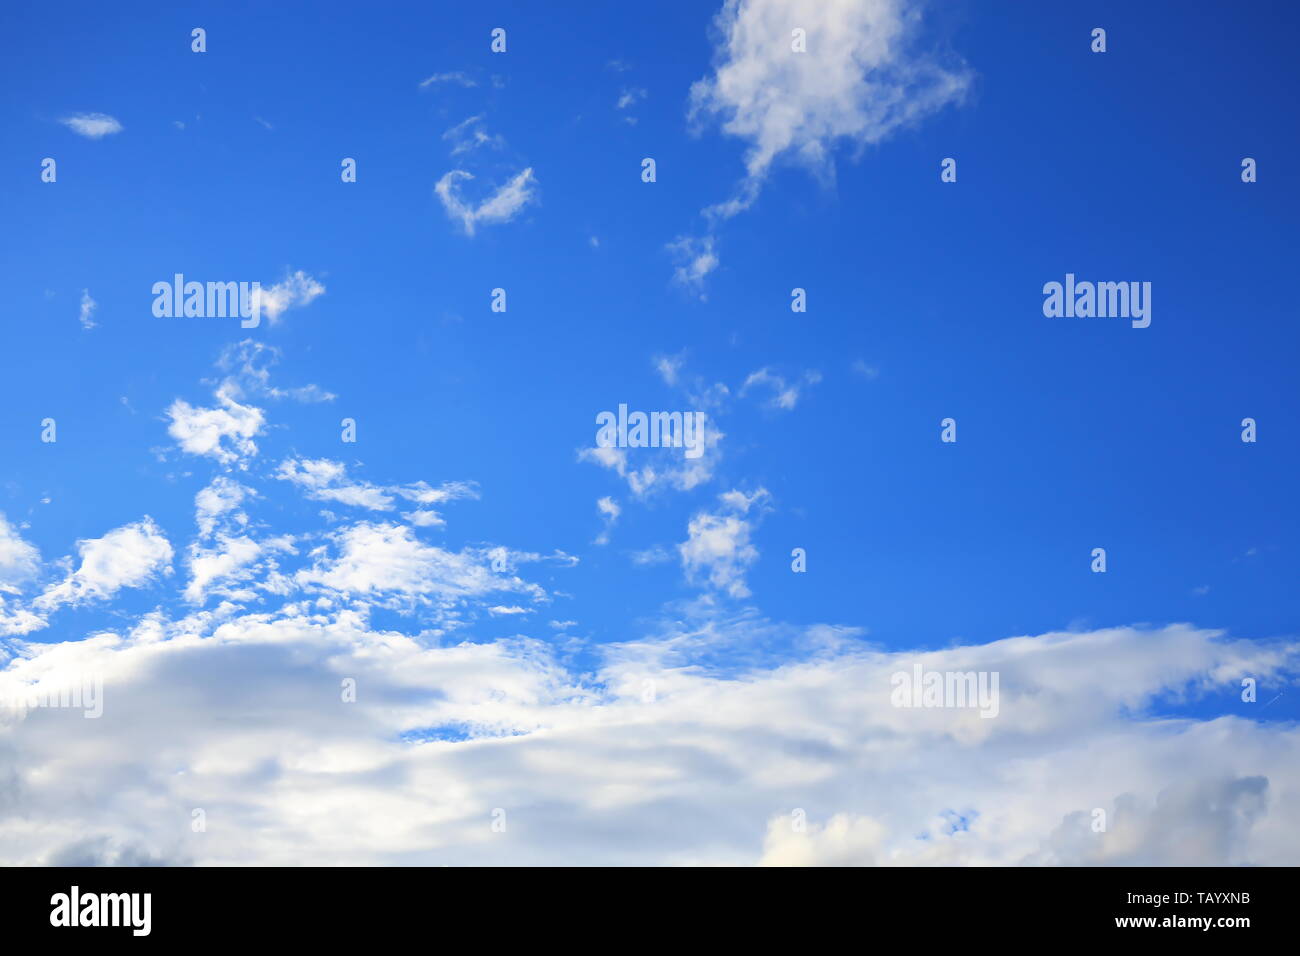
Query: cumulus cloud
x=92 y=125
x=128 y=557
x=718 y=548
x=710 y=736
x=501 y=206
x=860 y=79
x=248 y=364
x=224 y=433
x=657 y=760
x=222 y=497
x=225 y=560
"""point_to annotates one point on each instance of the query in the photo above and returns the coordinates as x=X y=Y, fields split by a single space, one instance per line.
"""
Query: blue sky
x=924 y=302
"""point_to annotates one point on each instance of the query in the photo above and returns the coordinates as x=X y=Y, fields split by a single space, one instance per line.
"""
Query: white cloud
x=844 y=840
x=424 y=519
x=683 y=475
x=325 y=480
x=217 y=500
x=457 y=77
x=668 y=468
x=707 y=771
x=386 y=559
x=869 y=372
x=294 y=291
x=19 y=559
x=629 y=97
x=501 y=206
x=128 y=557
x=696 y=257
x=20 y=620
x=785 y=395
x=469 y=135
x=718 y=547
x=209 y=565
x=669 y=368
x=649 y=556
x=422 y=493
x=248 y=364
x=92 y=125
x=224 y=433
x=745 y=721
x=859 y=81
x=88 y=306
x=609 y=511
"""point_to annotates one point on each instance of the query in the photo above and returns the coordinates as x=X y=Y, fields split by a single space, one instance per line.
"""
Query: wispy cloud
x=458 y=78
x=609 y=511
x=629 y=97
x=500 y=207
x=88 y=306
x=696 y=257
x=294 y=291
x=785 y=394
x=469 y=135
x=92 y=125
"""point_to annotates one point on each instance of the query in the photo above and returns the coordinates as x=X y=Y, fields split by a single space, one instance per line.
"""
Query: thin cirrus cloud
x=92 y=125
x=456 y=78
x=87 y=311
